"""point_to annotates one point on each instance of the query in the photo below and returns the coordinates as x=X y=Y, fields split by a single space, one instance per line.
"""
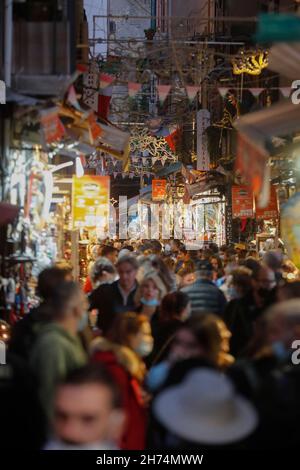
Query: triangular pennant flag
x=131 y=175
x=115 y=174
x=90 y=98
x=90 y=80
x=163 y=91
x=192 y=92
x=94 y=129
x=82 y=68
x=154 y=160
x=223 y=91
x=133 y=89
x=286 y=91
x=72 y=98
x=256 y=91
x=123 y=175
x=105 y=79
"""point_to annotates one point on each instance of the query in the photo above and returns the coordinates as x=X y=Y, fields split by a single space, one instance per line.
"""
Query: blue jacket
x=205 y=296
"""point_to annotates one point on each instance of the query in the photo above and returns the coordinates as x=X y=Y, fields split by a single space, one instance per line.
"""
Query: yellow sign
x=91 y=201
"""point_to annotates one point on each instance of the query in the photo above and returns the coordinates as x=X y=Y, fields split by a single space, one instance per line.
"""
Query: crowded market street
x=150 y=228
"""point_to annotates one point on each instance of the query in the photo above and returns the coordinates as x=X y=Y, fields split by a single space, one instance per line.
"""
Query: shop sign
x=203 y=122
x=271 y=211
x=52 y=126
x=90 y=201
x=159 y=190
x=242 y=202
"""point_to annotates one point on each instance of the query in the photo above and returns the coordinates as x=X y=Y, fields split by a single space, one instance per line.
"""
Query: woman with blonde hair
x=149 y=294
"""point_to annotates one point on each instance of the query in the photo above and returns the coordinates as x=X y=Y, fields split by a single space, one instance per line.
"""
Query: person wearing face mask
x=242 y=313
x=174 y=310
x=127 y=343
x=205 y=337
x=88 y=412
x=149 y=294
x=58 y=349
x=271 y=377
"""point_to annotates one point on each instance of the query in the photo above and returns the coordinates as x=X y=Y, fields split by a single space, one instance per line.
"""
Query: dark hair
x=101 y=266
x=128 y=259
x=204 y=327
x=107 y=250
x=125 y=325
x=253 y=265
x=49 y=279
x=62 y=296
x=94 y=374
x=172 y=305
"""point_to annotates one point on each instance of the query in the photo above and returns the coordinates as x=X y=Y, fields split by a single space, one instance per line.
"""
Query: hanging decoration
x=251 y=63
x=52 y=127
x=256 y=91
x=133 y=89
x=163 y=91
x=192 y=92
x=203 y=122
x=105 y=79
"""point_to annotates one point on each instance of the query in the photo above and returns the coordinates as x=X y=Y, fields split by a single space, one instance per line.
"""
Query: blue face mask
x=157 y=375
x=83 y=322
x=150 y=303
x=280 y=351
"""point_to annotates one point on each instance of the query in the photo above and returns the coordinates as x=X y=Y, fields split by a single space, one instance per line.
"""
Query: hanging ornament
x=105 y=79
x=192 y=92
x=256 y=91
x=223 y=91
x=163 y=91
x=133 y=89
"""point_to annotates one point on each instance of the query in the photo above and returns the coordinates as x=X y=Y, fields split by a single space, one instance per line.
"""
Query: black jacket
x=205 y=297
x=108 y=300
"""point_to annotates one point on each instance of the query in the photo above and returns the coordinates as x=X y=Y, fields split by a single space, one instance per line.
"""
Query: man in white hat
x=205 y=410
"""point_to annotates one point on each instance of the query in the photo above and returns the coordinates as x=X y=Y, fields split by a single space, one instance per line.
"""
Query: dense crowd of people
x=160 y=348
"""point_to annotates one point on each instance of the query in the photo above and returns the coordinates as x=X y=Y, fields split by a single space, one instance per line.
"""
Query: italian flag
x=133 y=89
x=105 y=79
x=163 y=91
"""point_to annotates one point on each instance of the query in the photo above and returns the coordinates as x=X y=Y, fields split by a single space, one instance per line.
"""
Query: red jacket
x=135 y=428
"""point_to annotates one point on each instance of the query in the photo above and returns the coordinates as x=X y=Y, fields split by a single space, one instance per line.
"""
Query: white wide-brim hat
x=205 y=409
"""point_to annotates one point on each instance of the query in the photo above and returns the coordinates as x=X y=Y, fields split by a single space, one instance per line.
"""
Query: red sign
x=242 y=202
x=271 y=211
x=159 y=190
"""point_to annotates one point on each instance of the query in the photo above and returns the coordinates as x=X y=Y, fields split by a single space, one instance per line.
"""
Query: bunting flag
x=163 y=91
x=90 y=80
x=223 y=91
x=82 y=68
x=115 y=174
x=52 y=127
x=131 y=175
x=256 y=91
x=105 y=79
x=286 y=91
x=72 y=98
x=104 y=99
x=133 y=89
x=192 y=92
x=94 y=129
x=90 y=98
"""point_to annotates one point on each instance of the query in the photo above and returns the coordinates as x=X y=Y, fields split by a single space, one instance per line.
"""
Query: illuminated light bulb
x=79 y=168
